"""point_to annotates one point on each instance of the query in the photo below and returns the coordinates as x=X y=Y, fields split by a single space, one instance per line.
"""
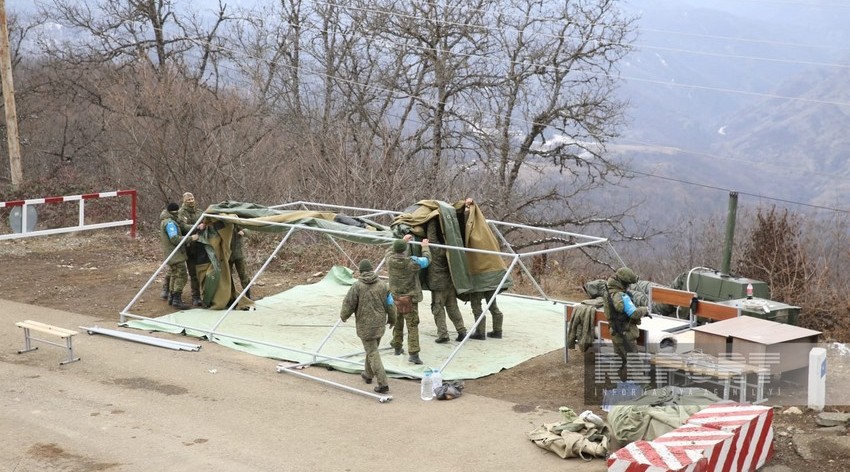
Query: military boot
x=248 y=294
x=166 y=294
x=398 y=351
x=177 y=301
x=495 y=334
x=196 y=301
x=414 y=358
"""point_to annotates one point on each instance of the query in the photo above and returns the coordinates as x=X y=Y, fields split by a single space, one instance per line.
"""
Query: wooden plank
x=716 y=311
x=670 y=296
x=46 y=328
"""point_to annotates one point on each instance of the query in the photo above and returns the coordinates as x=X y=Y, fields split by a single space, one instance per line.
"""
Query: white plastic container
x=426 y=391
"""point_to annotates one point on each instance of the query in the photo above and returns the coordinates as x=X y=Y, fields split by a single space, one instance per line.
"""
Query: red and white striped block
x=67 y=198
x=716 y=445
x=645 y=456
x=752 y=426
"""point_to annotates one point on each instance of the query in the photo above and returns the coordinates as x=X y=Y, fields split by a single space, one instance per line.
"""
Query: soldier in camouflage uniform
x=370 y=301
x=188 y=215
x=623 y=316
x=237 y=259
x=407 y=293
x=170 y=236
x=443 y=296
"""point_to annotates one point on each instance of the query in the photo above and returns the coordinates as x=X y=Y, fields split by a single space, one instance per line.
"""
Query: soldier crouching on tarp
x=623 y=317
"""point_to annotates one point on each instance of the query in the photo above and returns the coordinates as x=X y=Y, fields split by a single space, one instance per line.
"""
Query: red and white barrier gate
x=752 y=426
x=81 y=226
x=646 y=456
x=716 y=445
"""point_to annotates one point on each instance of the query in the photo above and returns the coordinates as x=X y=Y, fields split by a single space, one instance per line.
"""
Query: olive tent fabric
x=471 y=271
x=261 y=218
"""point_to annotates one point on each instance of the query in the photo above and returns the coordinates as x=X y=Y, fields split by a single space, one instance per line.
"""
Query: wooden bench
x=62 y=333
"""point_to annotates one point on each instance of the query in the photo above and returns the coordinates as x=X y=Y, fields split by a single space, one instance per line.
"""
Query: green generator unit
x=714 y=286
x=725 y=289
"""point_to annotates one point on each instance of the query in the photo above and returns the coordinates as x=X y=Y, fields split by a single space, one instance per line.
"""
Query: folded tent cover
x=471 y=271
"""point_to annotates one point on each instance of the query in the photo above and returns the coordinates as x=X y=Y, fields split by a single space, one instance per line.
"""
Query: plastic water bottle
x=749 y=291
x=426 y=391
x=436 y=380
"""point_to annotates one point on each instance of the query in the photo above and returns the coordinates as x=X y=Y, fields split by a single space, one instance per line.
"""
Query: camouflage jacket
x=404 y=274
x=187 y=216
x=369 y=301
x=616 y=289
x=170 y=235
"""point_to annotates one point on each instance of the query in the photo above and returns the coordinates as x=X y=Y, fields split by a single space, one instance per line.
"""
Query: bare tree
x=773 y=254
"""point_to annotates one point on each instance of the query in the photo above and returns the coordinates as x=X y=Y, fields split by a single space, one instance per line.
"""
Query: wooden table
x=729 y=373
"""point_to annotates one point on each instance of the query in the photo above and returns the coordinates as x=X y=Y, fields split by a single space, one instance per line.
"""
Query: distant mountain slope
x=731 y=135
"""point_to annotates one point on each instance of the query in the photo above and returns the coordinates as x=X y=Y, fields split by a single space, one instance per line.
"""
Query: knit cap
x=399 y=245
x=365 y=266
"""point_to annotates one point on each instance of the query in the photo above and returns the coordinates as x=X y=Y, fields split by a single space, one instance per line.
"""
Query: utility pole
x=9 y=101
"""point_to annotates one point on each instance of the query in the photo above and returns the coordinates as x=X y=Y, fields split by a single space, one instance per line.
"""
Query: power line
x=739 y=92
x=751 y=58
x=754 y=195
x=747 y=40
x=716 y=157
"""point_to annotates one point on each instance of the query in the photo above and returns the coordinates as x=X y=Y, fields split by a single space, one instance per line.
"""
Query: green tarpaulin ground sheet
x=302 y=317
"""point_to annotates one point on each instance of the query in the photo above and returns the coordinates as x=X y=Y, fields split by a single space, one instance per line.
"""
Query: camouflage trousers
x=445 y=302
x=193 y=278
x=412 y=321
x=623 y=345
x=241 y=270
x=374 y=367
x=176 y=277
x=477 y=299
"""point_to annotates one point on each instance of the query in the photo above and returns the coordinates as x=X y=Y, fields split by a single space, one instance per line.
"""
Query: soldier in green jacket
x=443 y=295
x=371 y=303
x=407 y=293
x=170 y=236
x=623 y=316
x=188 y=215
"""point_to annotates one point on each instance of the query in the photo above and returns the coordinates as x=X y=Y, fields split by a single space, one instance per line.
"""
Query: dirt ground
x=97 y=274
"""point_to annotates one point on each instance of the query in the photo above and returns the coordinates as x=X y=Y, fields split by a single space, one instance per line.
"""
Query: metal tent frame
x=516 y=259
